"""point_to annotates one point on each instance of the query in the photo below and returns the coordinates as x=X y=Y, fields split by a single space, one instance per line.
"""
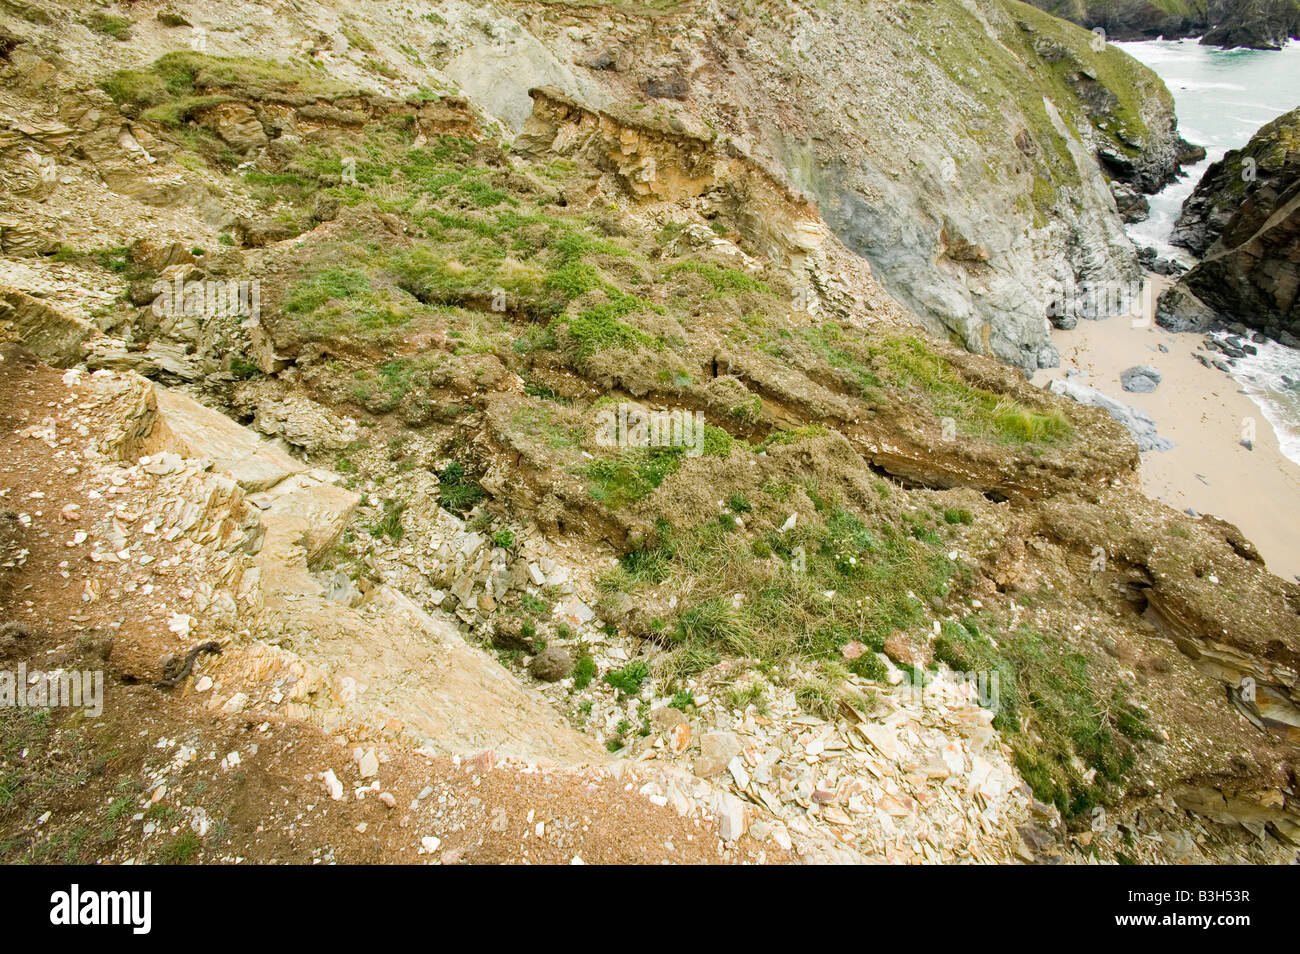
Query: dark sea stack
x=1180 y=310
x=1257 y=24
x=1243 y=186
x=1244 y=220
x=1255 y=281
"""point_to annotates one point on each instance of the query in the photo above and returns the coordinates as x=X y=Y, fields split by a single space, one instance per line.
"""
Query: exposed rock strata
x=1244 y=220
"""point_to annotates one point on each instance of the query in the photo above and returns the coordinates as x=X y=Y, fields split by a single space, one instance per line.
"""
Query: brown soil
x=105 y=781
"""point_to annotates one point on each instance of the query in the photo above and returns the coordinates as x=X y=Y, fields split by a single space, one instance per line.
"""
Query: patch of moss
x=723 y=280
x=911 y=362
x=628 y=680
x=1073 y=745
x=180 y=75
x=601 y=327
x=456 y=490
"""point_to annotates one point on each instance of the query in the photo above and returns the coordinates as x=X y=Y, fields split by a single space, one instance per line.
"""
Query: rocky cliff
x=1242 y=219
x=969 y=178
x=1245 y=185
x=447 y=361
x=1259 y=24
x=963 y=189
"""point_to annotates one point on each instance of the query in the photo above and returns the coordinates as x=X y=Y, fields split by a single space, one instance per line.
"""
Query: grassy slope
x=578 y=298
x=963 y=49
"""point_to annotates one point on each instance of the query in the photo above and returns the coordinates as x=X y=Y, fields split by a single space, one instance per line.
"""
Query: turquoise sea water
x=1222 y=97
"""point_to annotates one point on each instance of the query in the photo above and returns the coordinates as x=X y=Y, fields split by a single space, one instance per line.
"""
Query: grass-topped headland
x=178 y=84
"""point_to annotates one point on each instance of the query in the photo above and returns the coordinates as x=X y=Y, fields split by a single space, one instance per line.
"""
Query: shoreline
x=1202 y=411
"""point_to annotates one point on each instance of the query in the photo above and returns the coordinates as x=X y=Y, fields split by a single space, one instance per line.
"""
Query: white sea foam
x=1208 y=87
x=1272 y=379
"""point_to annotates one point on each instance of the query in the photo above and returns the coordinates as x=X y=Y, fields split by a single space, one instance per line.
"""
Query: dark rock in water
x=1132 y=205
x=1259 y=26
x=1151 y=260
x=1258 y=277
x=1140 y=380
x=1247 y=180
x=1244 y=218
x=1180 y=310
x=1189 y=154
x=1141 y=177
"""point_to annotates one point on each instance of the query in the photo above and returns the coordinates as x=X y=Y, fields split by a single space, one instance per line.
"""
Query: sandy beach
x=1202 y=411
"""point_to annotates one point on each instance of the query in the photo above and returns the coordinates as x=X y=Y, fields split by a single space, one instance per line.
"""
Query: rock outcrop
x=1244 y=219
x=895 y=174
x=1244 y=185
x=1259 y=24
x=1256 y=281
x=961 y=194
x=398 y=483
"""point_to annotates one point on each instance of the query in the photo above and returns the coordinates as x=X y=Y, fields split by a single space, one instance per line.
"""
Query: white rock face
x=731 y=815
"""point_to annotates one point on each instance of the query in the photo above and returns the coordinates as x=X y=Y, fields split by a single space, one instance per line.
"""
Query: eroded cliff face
x=456 y=297
x=1261 y=24
x=1243 y=221
x=953 y=145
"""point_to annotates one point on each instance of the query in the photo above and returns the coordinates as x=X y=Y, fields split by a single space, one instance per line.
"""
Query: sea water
x=1222 y=98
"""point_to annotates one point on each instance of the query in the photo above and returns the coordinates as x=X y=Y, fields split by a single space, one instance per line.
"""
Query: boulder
x=717 y=749
x=1141 y=379
x=1132 y=205
x=1180 y=310
x=1138 y=422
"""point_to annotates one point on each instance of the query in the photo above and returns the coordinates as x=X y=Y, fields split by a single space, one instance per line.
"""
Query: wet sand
x=1204 y=412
